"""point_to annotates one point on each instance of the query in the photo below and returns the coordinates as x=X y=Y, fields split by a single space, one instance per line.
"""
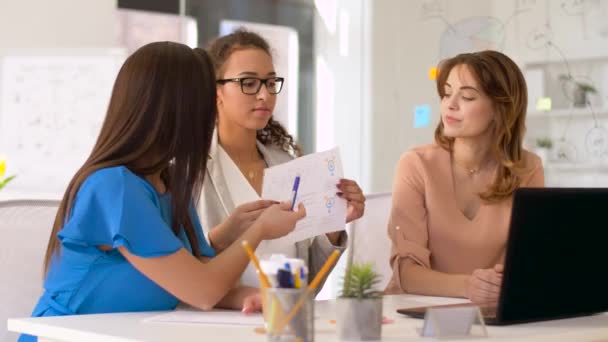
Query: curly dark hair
x=220 y=50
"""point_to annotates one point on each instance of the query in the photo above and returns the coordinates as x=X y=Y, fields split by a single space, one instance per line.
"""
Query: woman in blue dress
x=126 y=236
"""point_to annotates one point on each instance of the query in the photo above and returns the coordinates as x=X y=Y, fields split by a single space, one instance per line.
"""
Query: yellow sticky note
x=543 y=104
x=433 y=73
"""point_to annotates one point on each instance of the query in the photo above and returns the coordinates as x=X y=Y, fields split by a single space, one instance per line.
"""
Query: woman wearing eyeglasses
x=246 y=141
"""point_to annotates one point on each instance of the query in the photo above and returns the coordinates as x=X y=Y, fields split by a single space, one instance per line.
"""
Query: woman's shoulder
x=421 y=163
x=113 y=179
x=531 y=161
x=532 y=168
x=428 y=154
x=274 y=154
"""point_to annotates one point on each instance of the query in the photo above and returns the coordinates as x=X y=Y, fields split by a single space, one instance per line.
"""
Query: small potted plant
x=543 y=148
x=359 y=307
x=581 y=94
x=580 y=90
x=4 y=181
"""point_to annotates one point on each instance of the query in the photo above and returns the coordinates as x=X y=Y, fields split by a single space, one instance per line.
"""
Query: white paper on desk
x=221 y=317
x=319 y=173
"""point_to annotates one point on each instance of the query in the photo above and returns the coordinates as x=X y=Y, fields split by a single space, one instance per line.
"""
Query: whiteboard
x=52 y=106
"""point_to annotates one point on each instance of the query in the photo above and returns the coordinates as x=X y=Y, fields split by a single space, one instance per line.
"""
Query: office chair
x=25 y=226
x=370 y=236
x=371 y=243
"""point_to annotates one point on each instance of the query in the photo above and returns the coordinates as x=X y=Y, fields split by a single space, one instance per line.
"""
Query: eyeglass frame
x=262 y=81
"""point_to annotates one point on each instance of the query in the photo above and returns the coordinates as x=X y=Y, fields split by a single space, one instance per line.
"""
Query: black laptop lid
x=557 y=255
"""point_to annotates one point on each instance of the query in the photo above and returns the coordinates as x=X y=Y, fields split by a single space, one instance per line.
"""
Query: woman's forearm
x=417 y=279
x=200 y=284
x=227 y=267
x=235 y=297
x=218 y=238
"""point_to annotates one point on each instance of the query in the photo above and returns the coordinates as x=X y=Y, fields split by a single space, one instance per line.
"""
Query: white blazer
x=216 y=203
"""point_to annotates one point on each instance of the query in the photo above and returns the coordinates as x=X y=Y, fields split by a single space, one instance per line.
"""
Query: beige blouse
x=427 y=226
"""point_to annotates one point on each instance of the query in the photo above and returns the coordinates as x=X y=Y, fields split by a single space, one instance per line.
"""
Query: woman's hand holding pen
x=351 y=192
x=237 y=223
x=483 y=285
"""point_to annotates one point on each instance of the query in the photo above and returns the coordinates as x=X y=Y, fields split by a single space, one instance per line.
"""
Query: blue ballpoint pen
x=294 y=191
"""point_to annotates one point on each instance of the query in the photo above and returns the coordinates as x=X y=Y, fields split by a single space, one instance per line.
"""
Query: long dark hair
x=503 y=82
x=220 y=50
x=160 y=117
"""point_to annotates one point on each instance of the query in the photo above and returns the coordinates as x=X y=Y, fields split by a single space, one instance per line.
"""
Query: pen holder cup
x=277 y=303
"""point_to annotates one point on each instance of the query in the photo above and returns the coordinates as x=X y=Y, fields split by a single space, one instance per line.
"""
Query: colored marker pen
x=291 y=280
x=294 y=191
x=296 y=278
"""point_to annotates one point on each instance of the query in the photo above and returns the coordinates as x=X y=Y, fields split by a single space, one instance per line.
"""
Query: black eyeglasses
x=252 y=85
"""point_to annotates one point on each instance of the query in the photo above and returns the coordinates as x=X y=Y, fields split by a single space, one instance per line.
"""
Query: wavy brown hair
x=503 y=82
x=220 y=49
x=162 y=112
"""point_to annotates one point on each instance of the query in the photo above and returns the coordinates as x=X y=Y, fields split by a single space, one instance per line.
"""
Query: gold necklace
x=251 y=173
x=470 y=171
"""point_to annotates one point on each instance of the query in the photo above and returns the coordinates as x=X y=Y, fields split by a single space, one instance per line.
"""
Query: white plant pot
x=359 y=320
x=580 y=98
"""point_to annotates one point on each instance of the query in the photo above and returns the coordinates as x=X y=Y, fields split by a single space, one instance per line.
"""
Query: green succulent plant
x=360 y=282
x=587 y=88
x=544 y=142
x=582 y=86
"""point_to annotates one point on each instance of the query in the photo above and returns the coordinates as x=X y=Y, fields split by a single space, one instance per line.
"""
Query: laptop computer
x=556 y=263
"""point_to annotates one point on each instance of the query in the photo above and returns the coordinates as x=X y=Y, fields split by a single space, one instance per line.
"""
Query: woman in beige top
x=452 y=199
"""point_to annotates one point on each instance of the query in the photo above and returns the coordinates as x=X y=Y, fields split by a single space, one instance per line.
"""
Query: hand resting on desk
x=483 y=285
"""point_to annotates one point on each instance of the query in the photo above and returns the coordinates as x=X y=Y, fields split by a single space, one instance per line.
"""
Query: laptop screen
x=557 y=255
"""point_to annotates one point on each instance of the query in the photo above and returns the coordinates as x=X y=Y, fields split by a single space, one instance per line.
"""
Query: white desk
x=129 y=327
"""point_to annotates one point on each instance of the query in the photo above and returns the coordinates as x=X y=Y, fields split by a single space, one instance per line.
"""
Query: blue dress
x=117 y=208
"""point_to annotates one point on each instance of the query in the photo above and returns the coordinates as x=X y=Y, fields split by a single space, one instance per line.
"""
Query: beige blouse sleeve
x=408 y=220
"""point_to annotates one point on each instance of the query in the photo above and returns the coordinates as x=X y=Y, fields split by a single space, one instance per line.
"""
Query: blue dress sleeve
x=115 y=207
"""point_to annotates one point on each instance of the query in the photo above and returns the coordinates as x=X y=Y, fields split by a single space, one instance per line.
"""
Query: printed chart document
x=319 y=174
x=193 y=316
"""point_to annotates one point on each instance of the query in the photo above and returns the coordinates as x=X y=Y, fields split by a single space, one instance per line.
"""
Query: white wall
x=578 y=28
x=405 y=45
x=340 y=85
x=556 y=38
x=68 y=35
x=57 y=24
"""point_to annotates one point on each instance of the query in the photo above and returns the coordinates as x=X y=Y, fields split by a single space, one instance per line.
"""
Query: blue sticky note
x=422 y=116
